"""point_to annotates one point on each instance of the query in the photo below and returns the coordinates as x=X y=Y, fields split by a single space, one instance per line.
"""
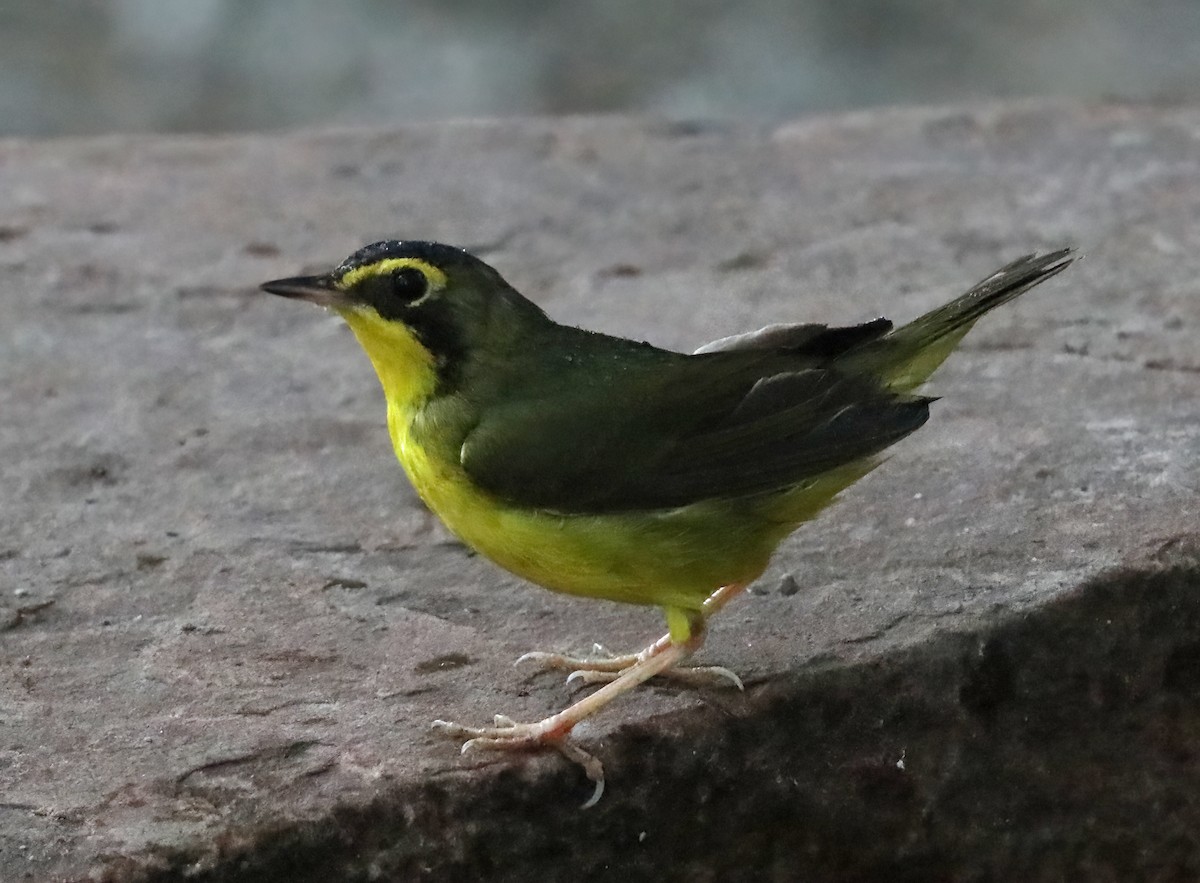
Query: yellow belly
x=669 y=558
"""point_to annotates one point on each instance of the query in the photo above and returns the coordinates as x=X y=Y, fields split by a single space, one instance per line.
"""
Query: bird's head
x=419 y=309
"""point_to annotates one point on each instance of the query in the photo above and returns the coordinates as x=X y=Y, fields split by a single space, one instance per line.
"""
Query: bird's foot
x=688 y=675
x=505 y=733
x=600 y=660
x=552 y=732
x=601 y=667
x=604 y=667
x=508 y=735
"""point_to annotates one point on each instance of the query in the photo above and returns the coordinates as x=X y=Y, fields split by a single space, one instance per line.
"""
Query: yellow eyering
x=435 y=277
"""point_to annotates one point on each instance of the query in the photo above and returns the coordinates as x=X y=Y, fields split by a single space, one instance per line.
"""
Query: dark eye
x=409 y=284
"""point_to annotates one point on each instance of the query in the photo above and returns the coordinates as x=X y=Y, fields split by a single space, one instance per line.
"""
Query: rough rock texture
x=227 y=621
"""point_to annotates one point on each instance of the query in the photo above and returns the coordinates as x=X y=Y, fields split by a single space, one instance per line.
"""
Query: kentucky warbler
x=609 y=468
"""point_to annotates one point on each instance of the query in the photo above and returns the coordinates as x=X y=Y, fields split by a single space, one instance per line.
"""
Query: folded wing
x=724 y=425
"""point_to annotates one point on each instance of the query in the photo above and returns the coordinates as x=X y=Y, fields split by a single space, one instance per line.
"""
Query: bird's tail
x=905 y=358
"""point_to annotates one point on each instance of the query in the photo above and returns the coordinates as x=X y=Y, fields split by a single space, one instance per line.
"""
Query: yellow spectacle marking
x=435 y=277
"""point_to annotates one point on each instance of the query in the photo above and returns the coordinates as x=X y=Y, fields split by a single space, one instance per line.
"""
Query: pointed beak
x=318 y=290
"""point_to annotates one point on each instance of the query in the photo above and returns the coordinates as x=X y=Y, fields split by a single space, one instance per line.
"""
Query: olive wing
x=723 y=425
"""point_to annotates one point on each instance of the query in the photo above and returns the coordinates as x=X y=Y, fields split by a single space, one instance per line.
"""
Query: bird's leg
x=605 y=668
x=552 y=731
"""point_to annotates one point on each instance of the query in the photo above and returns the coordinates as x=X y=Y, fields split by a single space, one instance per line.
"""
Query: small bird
x=609 y=468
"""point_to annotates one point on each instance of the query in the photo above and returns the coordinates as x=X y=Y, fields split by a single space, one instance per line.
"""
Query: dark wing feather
x=790 y=427
x=724 y=425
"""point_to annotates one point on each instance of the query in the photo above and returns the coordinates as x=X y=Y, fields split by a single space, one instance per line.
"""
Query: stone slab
x=227 y=620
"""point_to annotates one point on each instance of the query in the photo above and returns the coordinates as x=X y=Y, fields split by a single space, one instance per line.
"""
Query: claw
x=590 y=676
x=706 y=674
x=596 y=795
x=592 y=768
x=451 y=729
x=732 y=675
x=534 y=656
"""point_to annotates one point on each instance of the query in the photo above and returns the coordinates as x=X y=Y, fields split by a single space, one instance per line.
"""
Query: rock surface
x=227 y=621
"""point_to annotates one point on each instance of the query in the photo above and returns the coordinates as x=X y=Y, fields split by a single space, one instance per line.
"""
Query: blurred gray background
x=83 y=66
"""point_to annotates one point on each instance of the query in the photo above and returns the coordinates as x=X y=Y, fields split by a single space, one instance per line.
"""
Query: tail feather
x=906 y=357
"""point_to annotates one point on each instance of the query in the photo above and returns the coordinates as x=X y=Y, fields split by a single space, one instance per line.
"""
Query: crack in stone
x=287 y=751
